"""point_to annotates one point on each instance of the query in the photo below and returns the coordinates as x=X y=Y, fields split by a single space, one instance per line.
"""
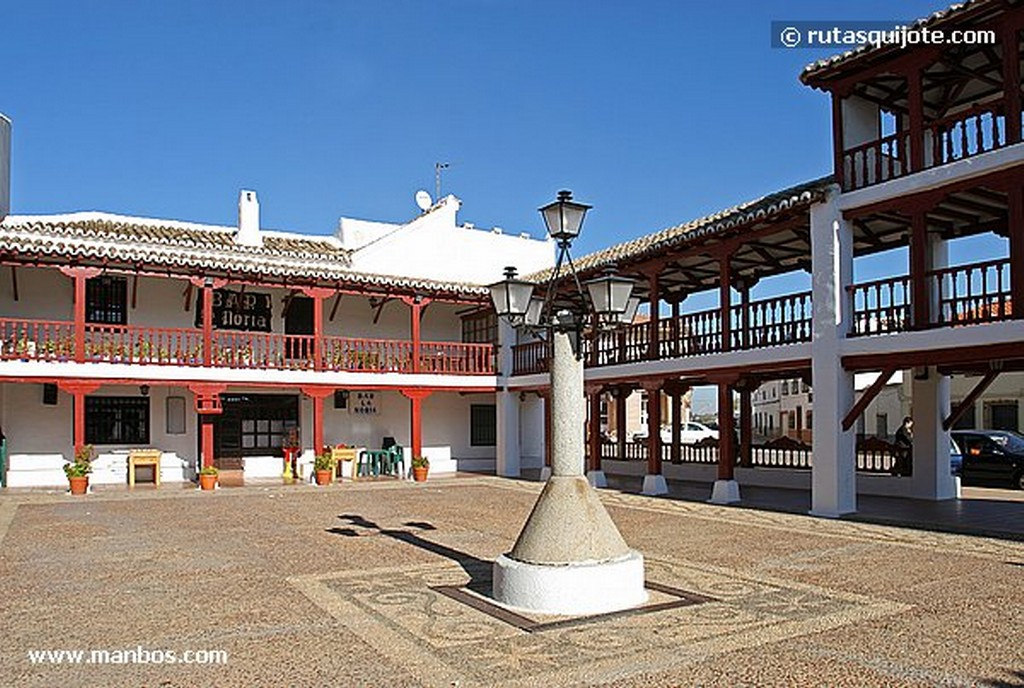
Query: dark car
x=991 y=457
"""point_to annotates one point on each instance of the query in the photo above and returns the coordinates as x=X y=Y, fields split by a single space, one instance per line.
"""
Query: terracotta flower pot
x=207 y=482
x=419 y=473
x=80 y=485
x=323 y=477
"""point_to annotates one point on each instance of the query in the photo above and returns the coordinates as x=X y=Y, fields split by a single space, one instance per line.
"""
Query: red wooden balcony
x=42 y=340
x=760 y=324
x=970 y=132
x=960 y=295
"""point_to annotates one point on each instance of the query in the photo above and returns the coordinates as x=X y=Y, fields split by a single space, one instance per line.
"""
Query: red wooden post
x=744 y=316
x=837 y=138
x=207 y=439
x=676 y=348
x=594 y=394
x=918 y=268
x=653 y=390
x=677 y=425
x=725 y=299
x=1011 y=83
x=416 y=397
x=208 y=328
x=78 y=389
x=318 y=294
x=726 y=430
x=1015 y=219
x=915 y=104
x=746 y=428
x=317 y=394
x=653 y=349
x=207 y=404
x=416 y=305
x=80 y=275
x=621 y=394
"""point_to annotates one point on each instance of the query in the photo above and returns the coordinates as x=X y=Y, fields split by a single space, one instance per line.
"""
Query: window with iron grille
x=483 y=425
x=117 y=420
x=106 y=300
x=480 y=328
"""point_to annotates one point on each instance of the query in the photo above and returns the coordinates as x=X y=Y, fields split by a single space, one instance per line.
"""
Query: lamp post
x=569 y=557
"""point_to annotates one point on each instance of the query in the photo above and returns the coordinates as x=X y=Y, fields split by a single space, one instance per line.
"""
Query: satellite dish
x=423 y=200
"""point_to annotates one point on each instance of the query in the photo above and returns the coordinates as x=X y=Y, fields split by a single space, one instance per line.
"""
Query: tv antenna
x=438 y=166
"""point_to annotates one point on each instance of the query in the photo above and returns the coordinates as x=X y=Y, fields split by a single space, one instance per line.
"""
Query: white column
x=932 y=478
x=507 y=456
x=833 y=476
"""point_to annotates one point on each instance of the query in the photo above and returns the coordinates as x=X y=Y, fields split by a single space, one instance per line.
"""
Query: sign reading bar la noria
x=237 y=310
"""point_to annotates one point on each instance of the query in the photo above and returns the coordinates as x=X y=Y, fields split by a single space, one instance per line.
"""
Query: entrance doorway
x=253 y=425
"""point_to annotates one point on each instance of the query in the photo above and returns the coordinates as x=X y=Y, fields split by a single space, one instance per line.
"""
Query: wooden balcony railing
x=530 y=358
x=974 y=293
x=42 y=340
x=960 y=295
x=970 y=132
x=880 y=306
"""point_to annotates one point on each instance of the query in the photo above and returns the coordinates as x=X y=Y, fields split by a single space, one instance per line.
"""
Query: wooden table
x=144 y=457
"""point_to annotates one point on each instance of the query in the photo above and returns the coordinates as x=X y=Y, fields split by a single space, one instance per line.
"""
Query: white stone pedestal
x=654 y=485
x=597 y=479
x=725 y=492
x=571 y=589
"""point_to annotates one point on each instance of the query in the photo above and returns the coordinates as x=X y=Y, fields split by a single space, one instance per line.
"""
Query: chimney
x=5 y=166
x=248 y=219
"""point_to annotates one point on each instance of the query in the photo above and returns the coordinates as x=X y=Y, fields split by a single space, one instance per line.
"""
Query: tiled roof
x=658 y=242
x=109 y=238
x=816 y=70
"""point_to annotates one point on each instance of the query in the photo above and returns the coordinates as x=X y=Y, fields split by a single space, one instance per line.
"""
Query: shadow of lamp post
x=569 y=557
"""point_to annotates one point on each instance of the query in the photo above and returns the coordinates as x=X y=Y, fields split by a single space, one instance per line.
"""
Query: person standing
x=904 y=447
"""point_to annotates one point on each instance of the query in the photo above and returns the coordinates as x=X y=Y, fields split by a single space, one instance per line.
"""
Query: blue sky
x=655 y=112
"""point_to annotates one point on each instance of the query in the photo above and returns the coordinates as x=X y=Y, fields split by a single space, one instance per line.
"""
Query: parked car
x=991 y=457
x=690 y=433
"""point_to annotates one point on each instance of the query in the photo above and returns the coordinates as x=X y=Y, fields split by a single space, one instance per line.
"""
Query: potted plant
x=420 y=466
x=78 y=470
x=323 y=464
x=208 y=477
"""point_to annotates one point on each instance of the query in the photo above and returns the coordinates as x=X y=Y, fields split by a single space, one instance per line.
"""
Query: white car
x=690 y=433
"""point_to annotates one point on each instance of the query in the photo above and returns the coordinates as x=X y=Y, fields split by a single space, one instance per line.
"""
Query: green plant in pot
x=78 y=470
x=323 y=465
x=420 y=466
x=208 y=477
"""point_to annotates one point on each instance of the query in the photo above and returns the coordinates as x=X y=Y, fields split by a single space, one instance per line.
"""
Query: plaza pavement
x=380 y=584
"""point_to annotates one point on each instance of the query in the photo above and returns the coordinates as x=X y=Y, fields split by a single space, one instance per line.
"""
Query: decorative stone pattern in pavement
x=400 y=612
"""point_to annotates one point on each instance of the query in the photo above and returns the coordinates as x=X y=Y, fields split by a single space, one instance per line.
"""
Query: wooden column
x=416 y=397
x=621 y=394
x=919 y=297
x=746 y=427
x=318 y=294
x=915 y=105
x=78 y=389
x=317 y=394
x=207 y=285
x=207 y=405
x=725 y=299
x=1015 y=220
x=677 y=424
x=745 y=315
x=1011 y=83
x=80 y=275
x=726 y=432
x=594 y=434
x=837 y=138
x=653 y=389
x=675 y=327
x=416 y=305
x=653 y=348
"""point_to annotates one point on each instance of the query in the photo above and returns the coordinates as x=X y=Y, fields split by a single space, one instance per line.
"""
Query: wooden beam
x=14 y=281
x=869 y=395
x=969 y=400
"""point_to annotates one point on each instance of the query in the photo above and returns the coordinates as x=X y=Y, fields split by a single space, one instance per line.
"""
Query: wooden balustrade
x=975 y=293
x=967 y=133
x=880 y=306
x=37 y=340
x=777 y=321
x=530 y=358
x=44 y=340
x=699 y=333
x=782 y=452
x=876 y=161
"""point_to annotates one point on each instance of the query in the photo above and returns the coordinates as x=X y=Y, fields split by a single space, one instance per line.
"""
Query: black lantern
x=609 y=294
x=511 y=296
x=564 y=217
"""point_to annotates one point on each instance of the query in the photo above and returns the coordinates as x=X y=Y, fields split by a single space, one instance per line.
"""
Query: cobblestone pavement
x=384 y=583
